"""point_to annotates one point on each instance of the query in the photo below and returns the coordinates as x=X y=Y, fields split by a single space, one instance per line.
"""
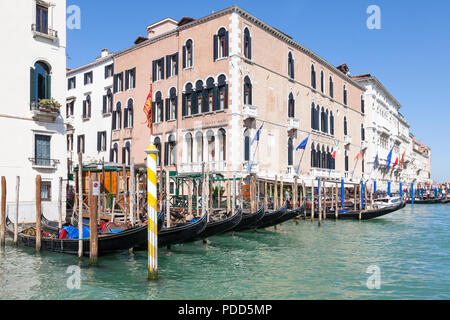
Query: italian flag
x=336 y=149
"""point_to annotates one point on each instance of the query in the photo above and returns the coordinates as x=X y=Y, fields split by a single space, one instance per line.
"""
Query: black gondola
x=289 y=215
x=269 y=218
x=220 y=226
x=249 y=219
x=107 y=243
x=366 y=214
x=445 y=200
x=425 y=201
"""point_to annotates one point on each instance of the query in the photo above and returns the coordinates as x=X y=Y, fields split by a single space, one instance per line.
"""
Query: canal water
x=408 y=251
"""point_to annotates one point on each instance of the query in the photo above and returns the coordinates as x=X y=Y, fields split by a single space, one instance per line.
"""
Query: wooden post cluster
x=93 y=226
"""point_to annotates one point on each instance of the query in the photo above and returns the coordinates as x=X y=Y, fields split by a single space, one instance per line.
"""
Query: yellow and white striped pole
x=152 y=213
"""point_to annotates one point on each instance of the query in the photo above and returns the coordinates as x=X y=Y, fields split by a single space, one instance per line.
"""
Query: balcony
x=293 y=124
x=250 y=112
x=44 y=112
x=214 y=166
x=48 y=33
x=291 y=170
x=347 y=140
x=325 y=173
x=44 y=163
x=254 y=169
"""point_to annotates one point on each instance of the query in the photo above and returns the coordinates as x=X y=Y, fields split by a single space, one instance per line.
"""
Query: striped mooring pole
x=152 y=213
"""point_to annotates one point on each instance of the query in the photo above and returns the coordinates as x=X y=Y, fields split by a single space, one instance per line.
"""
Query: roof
x=98 y=61
x=369 y=78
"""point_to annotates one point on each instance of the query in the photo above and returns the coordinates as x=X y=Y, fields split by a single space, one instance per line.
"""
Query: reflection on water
x=295 y=261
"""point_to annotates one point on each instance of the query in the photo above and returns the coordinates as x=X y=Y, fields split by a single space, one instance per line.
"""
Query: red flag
x=148 y=107
x=403 y=160
x=396 y=163
x=360 y=155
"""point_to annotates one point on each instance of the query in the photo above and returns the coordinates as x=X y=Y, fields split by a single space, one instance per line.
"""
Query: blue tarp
x=73 y=232
x=114 y=231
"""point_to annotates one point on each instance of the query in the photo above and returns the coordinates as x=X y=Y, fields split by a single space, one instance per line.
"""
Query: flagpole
x=301 y=159
x=254 y=155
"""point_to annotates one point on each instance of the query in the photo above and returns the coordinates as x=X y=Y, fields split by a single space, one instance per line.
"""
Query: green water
x=296 y=261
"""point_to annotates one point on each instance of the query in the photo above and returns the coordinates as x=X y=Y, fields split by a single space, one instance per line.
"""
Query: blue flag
x=258 y=135
x=389 y=158
x=376 y=164
x=303 y=144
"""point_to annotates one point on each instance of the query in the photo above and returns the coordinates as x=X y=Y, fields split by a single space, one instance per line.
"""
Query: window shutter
x=250 y=48
x=68 y=84
x=226 y=44
x=78 y=144
x=48 y=87
x=205 y=100
x=184 y=57
x=168 y=58
x=84 y=109
x=89 y=109
x=115 y=83
x=176 y=61
x=125 y=118
x=154 y=70
x=183 y=102
x=166 y=153
x=250 y=98
x=134 y=77
x=216 y=98
x=127 y=79
x=176 y=107
x=106 y=72
x=216 y=39
x=194 y=103
x=105 y=104
x=114 y=116
x=168 y=109
x=32 y=85
x=153 y=112
x=99 y=141
x=162 y=68
x=226 y=96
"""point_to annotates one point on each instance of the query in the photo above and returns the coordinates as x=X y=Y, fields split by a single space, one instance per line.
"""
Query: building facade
x=215 y=84
x=420 y=163
x=88 y=111
x=31 y=124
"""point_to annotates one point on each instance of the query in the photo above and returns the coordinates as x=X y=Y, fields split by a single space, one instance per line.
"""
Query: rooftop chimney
x=105 y=52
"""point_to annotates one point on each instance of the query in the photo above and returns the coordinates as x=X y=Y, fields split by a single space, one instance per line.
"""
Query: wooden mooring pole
x=38 y=213
x=93 y=205
x=16 y=224
x=80 y=205
x=60 y=209
x=3 y=227
x=132 y=193
x=152 y=242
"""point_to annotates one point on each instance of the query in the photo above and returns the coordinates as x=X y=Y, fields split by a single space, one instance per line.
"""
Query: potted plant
x=49 y=105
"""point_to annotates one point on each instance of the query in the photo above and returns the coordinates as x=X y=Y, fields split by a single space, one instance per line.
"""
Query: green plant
x=50 y=104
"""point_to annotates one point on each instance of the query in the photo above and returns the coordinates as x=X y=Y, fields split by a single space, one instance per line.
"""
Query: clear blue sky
x=410 y=55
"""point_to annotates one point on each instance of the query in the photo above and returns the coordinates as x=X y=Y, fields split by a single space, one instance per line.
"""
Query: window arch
x=290 y=152
x=322 y=120
x=222 y=145
x=189 y=148
x=40 y=82
x=290 y=65
x=210 y=95
x=109 y=101
x=128 y=115
x=211 y=139
x=114 y=153
x=126 y=150
x=222 y=88
x=247 y=145
x=199 y=141
x=171 y=104
x=247 y=91
x=313 y=77
x=187 y=100
x=188 y=54
x=291 y=106
x=221 y=44
x=117 y=117
x=331 y=87
x=247 y=44
x=157 y=143
x=199 y=103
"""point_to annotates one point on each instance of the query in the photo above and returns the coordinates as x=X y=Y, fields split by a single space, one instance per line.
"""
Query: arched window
x=331 y=123
x=345 y=94
x=363 y=133
x=115 y=153
x=313 y=116
x=128 y=115
x=199 y=140
x=318 y=157
x=211 y=146
x=159 y=109
x=171 y=152
x=247 y=91
x=322 y=82
x=345 y=126
x=189 y=148
x=313 y=77
x=317 y=118
x=247 y=44
x=322 y=120
x=210 y=95
x=331 y=87
x=324 y=158
x=199 y=103
x=326 y=121
x=246 y=145
x=223 y=93
x=328 y=166
x=346 y=160
x=87 y=104
x=40 y=82
x=188 y=54
x=290 y=66
x=109 y=101
x=222 y=145
x=187 y=100
x=221 y=44
x=117 y=117
x=290 y=152
x=313 y=156
x=291 y=106
x=157 y=144
x=126 y=150
x=171 y=105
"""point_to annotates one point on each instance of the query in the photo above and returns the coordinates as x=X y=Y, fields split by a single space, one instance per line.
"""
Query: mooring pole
x=401 y=190
x=319 y=202
x=93 y=226
x=389 y=188
x=275 y=206
x=132 y=193
x=312 y=201
x=152 y=213
x=80 y=205
x=233 y=202
x=16 y=224
x=362 y=195
x=60 y=203
x=412 y=192
x=38 y=213
x=3 y=228
x=167 y=187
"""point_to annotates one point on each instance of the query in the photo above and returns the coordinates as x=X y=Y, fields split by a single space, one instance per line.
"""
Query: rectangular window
x=80 y=144
x=42 y=19
x=130 y=79
x=72 y=83
x=118 y=82
x=46 y=191
x=88 y=78
x=70 y=142
x=200 y=102
x=210 y=102
x=109 y=71
x=173 y=110
x=159 y=70
x=69 y=109
x=101 y=141
x=222 y=100
x=174 y=65
x=189 y=106
x=42 y=150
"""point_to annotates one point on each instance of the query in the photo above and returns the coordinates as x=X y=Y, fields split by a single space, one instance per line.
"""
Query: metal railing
x=44 y=162
x=45 y=31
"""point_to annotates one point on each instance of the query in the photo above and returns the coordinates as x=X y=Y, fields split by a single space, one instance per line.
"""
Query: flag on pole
x=148 y=107
x=376 y=163
x=395 y=163
x=403 y=160
x=258 y=135
x=389 y=158
x=303 y=145
x=360 y=155
x=336 y=149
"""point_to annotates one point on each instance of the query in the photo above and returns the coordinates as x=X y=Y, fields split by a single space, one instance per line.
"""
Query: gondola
x=289 y=215
x=445 y=201
x=269 y=218
x=107 y=243
x=366 y=214
x=425 y=201
x=249 y=219
x=220 y=226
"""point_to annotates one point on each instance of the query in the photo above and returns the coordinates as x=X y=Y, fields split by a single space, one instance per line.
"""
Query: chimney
x=104 y=53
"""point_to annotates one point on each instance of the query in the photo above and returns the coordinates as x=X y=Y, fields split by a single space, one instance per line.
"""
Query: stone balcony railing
x=44 y=163
x=196 y=167
x=250 y=112
x=254 y=169
x=48 y=33
x=326 y=173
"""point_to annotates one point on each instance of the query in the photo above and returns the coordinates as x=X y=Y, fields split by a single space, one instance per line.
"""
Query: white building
x=385 y=129
x=88 y=110
x=33 y=134
x=420 y=168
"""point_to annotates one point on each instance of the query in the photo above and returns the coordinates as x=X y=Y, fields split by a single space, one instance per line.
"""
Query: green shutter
x=48 y=87
x=32 y=85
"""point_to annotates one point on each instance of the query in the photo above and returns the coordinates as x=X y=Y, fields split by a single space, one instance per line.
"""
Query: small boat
x=444 y=200
x=186 y=232
x=367 y=214
x=220 y=226
x=107 y=243
x=289 y=215
x=249 y=219
x=269 y=218
x=425 y=201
